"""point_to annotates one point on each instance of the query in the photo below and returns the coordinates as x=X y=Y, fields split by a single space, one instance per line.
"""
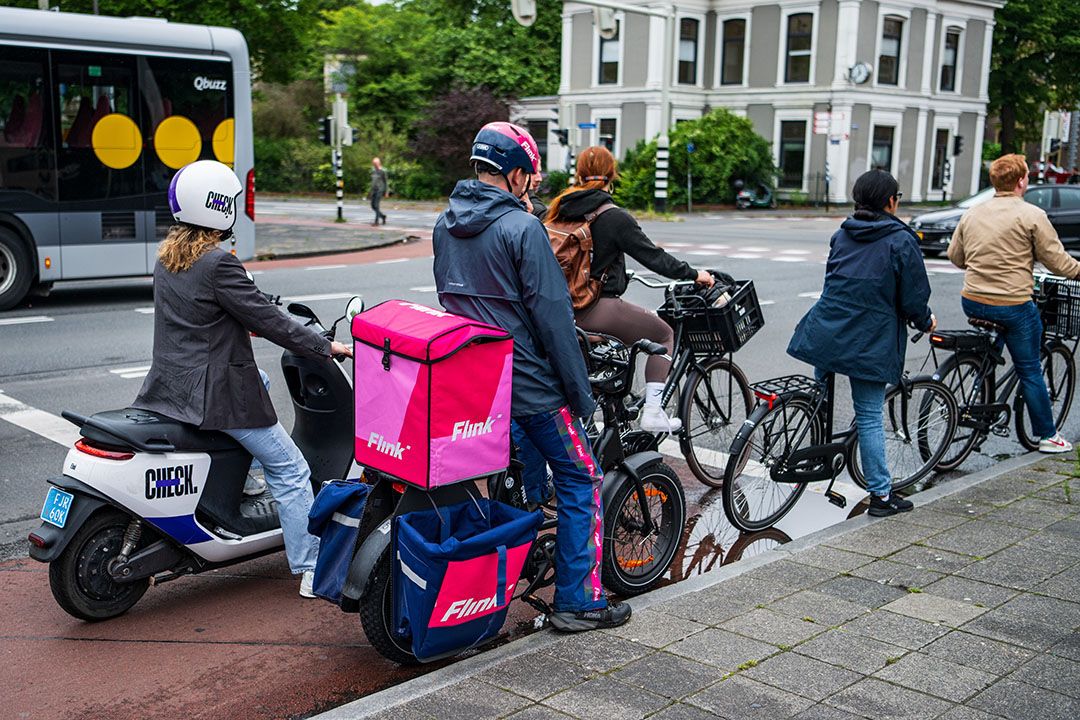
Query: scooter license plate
x=57 y=506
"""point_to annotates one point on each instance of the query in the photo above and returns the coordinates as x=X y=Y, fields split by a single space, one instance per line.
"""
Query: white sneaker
x=1056 y=444
x=655 y=420
x=254 y=485
x=306 y=582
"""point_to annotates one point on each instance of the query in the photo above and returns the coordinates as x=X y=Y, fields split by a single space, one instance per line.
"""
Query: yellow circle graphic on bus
x=223 y=141
x=177 y=141
x=117 y=141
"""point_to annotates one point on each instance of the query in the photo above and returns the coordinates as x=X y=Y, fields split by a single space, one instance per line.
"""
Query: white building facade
x=919 y=113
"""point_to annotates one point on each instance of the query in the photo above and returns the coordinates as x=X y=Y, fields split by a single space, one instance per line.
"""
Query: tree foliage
x=1036 y=53
x=726 y=149
x=443 y=137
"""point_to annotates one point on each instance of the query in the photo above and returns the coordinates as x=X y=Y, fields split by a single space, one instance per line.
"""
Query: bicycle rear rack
x=786 y=387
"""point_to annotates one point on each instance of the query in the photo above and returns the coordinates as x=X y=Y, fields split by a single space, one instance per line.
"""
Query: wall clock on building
x=859 y=73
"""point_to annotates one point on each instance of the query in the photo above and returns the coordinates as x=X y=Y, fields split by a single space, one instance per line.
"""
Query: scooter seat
x=150 y=432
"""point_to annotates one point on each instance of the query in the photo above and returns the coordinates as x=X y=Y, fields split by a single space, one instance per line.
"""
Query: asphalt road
x=87 y=346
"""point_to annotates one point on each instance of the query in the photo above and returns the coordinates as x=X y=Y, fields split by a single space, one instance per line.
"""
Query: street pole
x=663 y=143
x=339 y=170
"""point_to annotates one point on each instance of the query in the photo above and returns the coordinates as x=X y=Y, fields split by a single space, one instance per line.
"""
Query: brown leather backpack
x=572 y=243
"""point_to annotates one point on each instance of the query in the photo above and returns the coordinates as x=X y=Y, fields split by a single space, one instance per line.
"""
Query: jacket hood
x=579 y=204
x=870 y=230
x=475 y=205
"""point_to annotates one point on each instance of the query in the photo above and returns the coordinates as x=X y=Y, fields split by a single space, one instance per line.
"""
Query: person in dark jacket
x=493 y=263
x=615 y=235
x=533 y=203
x=203 y=371
x=875 y=283
x=378 y=189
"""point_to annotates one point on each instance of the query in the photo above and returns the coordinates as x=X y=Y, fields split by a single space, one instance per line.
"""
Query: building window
x=539 y=130
x=800 y=29
x=792 y=152
x=734 y=47
x=608 y=129
x=889 y=60
x=609 y=58
x=688 y=51
x=941 y=159
x=949 y=60
x=881 y=152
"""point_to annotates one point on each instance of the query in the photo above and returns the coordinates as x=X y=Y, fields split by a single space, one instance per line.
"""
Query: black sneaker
x=884 y=508
x=614 y=615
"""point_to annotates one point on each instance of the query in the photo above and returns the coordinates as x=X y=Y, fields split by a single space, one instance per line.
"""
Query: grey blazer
x=203 y=370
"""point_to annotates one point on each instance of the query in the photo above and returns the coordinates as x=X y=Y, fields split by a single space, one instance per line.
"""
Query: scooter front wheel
x=377 y=615
x=80 y=579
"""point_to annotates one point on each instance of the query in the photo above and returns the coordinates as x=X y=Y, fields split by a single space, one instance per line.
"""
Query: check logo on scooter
x=170 y=482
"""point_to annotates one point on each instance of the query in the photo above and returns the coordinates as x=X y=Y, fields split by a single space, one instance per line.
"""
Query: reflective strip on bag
x=411 y=574
x=342 y=519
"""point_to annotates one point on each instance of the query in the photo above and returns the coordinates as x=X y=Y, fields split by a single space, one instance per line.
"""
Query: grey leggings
x=630 y=323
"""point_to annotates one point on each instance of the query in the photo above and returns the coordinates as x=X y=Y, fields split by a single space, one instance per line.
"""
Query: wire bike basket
x=709 y=329
x=1059 y=305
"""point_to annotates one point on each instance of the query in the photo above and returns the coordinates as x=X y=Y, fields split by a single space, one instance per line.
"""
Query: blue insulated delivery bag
x=335 y=520
x=455 y=572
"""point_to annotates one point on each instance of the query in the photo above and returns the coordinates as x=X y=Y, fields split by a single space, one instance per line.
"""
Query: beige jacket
x=998 y=243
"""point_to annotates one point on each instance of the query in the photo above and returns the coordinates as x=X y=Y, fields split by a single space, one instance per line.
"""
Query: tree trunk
x=1008 y=129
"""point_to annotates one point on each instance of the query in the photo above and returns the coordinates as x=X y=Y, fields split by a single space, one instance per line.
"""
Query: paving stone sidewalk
x=966 y=608
x=277 y=237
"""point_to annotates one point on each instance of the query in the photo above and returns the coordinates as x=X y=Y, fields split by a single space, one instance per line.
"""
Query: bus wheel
x=15 y=270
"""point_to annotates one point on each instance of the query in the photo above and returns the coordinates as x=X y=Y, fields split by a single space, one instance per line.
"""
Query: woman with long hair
x=875 y=283
x=615 y=235
x=203 y=370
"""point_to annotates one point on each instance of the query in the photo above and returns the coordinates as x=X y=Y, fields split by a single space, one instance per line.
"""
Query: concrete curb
x=269 y=256
x=473 y=666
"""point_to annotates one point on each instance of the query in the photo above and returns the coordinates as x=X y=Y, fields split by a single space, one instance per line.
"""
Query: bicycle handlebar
x=658 y=284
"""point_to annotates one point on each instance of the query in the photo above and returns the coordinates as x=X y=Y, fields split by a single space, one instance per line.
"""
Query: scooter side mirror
x=354 y=308
x=302 y=311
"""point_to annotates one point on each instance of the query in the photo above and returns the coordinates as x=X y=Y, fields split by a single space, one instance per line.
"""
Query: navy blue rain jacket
x=493 y=263
x=875 y=283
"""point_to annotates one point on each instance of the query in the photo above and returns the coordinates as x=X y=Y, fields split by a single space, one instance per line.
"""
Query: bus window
x=100 y=144
x=26 y=161
x=188 y=115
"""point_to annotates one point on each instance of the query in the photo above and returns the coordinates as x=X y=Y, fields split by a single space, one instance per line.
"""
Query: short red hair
x=1006 y=171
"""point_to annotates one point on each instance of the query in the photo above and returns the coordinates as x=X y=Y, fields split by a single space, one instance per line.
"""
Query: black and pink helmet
x=506 y=146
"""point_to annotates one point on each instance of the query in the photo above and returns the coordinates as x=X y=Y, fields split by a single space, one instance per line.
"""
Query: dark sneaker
x=884 y=508
x=614 y=615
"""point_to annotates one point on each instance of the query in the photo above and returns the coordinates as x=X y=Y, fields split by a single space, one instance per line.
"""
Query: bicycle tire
x=718 y=424
x=749 y=447
x=377 y=613
x=933 y=430
x=957 y=374
x=1060 y=389
x=626 y=575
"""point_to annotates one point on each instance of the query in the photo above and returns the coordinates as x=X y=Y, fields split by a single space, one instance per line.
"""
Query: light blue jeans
x=289 y=480
x=868 y=398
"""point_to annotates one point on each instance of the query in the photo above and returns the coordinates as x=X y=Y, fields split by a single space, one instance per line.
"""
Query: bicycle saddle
x=986 y=324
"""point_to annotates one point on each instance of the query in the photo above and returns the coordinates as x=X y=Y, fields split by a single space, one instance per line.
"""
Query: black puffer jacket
x=615 y=235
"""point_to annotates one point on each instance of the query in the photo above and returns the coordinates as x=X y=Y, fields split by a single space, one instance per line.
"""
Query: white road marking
x=744 y=256
x=794 y=251
x=753 y=249
x=145 y=310
x=39 y=422
x=709 y=253
x=814 y=295
x=257 y=272
x=131 y=373
x=326 y=267
x=716 y=247
x=783 y=258
x=423 y=288
x=26 y=320
x=321 y=296
x=766 y=302
x=391 y=262
x=676 y=244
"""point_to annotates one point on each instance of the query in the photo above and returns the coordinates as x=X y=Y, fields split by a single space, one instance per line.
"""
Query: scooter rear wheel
x=377 y=615
x=79 y=578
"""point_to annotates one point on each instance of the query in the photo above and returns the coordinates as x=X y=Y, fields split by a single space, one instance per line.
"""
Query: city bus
x=96 y=115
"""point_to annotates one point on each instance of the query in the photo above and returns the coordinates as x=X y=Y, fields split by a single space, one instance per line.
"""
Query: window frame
x=779 y=118
x=718 y=74
x=698 y=52
x=949 y=24
x=782 y=43
x=951 y=124
x=598 y=48
x=599 y=113
x=893 y=12
x=899 y=39
x=886 y=118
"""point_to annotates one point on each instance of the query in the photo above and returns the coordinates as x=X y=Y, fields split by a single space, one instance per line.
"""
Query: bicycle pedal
x=1000 y=431
x=836 y=498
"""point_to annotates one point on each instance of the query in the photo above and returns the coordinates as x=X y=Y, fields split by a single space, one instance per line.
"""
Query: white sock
x=653 y=393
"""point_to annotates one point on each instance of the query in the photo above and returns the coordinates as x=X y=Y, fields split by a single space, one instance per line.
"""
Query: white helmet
x=204 y=194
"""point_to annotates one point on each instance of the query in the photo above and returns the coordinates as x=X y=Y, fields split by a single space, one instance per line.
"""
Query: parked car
x=1061 y=203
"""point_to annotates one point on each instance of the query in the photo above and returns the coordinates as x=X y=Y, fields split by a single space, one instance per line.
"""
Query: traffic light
x=606 y=25
x=1055 y=146
x=326 y=131
x=958 y=145
x=564 y=136
x=524 y=11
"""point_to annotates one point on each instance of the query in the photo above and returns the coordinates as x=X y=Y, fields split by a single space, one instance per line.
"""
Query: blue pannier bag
x=335 y=520
x=455 y=569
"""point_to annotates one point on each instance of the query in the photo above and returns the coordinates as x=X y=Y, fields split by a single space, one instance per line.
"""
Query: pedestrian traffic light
x=564 y=136
x=326 y=131
x=524 y=11
x=958 y=145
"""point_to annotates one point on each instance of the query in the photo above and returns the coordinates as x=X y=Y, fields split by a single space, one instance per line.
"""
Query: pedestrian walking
x=378 y=189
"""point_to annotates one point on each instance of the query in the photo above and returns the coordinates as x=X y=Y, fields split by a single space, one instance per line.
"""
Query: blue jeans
x=868 y=398
x=289 y=480
x=559 y=440
x=1023 y=337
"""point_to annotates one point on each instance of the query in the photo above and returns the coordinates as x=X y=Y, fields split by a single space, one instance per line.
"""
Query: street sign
x=690 y=147
x=587 y=126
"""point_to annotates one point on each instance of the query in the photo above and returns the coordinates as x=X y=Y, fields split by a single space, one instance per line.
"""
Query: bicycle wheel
x=634 y=561
x=713 y=406
x=918 y=431
x=1059 y=374
x=752 y=499
x=962 y=375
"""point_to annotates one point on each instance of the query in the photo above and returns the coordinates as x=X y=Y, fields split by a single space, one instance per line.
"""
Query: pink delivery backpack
x=432 y=394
